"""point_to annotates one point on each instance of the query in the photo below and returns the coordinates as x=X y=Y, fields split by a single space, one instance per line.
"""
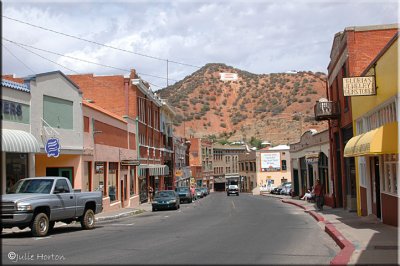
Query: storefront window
x=390 y=177
x=112 y=181
x=132 y=188
x=16 y=168
x=98 y=179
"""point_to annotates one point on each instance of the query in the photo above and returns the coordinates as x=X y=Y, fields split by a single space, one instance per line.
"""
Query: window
x=99 y=176
x=391 y=165
x=284 y=165
x=384 y=115
x=58 y=113
x=112 y=181
x=63 y=184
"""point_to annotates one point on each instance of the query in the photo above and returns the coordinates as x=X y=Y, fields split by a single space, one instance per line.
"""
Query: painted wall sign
x=359 y=86
x=228 y=76
x=53 y=147
x=270 y=162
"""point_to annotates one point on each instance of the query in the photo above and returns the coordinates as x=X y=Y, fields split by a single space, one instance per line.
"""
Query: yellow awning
x=350 y=145
x=382 y=140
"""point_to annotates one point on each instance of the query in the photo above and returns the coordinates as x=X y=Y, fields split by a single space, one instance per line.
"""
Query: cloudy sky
x=265 y=36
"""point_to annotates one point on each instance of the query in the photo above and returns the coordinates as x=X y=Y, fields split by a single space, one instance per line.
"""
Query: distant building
x=201 y=163
x=226 y=165
x=248 y=170
x=273 y=165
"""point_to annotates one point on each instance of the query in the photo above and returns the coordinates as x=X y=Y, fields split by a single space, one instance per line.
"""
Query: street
x=217 y=229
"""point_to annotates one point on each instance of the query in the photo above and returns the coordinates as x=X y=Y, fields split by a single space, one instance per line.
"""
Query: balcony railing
x=326 y=110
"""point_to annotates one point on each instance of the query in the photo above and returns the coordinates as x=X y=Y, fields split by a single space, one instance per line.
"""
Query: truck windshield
x=42 y=186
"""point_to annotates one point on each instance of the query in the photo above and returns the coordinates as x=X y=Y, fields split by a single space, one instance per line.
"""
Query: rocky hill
x=275 y=107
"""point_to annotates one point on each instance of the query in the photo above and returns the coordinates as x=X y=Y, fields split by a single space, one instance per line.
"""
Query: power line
x=102 y=83
x=83 y=60
x=8 y=50
x=101 y=44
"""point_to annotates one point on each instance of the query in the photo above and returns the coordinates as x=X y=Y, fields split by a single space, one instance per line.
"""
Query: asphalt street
x=243 y=229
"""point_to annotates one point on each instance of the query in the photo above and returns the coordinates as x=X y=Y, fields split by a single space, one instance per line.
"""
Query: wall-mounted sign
x=359 y=86
x=53 y=147
x=270 y=162
x=228 y=76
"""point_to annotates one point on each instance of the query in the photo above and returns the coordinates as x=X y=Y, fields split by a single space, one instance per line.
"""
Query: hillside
x=274 y=107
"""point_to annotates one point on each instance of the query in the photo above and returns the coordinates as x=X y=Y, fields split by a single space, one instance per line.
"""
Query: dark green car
x=165 y=199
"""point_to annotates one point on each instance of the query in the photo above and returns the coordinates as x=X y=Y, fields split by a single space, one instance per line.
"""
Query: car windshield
x=182 y=189
x=42 y=186
x=232 y=186
x=164 y=194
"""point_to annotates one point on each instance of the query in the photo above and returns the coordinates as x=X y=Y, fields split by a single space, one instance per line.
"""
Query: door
x=375 y=187
x=66 y=206
x=66 y=172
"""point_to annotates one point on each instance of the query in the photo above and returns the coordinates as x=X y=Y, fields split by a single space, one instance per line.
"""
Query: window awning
x=13 y=140
x=382 y=140
x=155 y=169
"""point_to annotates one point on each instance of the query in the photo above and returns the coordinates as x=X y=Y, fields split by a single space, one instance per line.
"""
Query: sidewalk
x=111 y=215
x=363 y=240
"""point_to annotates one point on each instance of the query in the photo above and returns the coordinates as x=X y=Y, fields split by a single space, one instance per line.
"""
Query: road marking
x=125 y=224
x=233 y=204
x=166 y=216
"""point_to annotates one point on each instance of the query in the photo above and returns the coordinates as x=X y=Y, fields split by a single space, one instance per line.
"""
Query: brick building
x=352 y=51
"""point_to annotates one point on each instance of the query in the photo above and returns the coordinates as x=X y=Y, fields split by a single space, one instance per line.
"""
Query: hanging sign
x=52 y=147
x=359 y=86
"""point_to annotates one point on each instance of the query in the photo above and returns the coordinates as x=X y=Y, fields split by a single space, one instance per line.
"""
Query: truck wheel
x=88 y=220
x=40 y=225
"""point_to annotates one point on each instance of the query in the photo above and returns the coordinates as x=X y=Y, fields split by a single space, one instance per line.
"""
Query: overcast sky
x=265 y=36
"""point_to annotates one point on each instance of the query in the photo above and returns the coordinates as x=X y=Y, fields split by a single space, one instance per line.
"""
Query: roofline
x=380 y=54
x=55 y=72
x=104 y=111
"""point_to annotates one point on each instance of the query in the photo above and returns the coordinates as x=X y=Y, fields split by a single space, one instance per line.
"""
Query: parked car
x=286 y=189
x=232 y=189
x=205 y=191
x=199 y=193
x=165 y=199
x=184 y=194
x=276 y=190
x=40 y=202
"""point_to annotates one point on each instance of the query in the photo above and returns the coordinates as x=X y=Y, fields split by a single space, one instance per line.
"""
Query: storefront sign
x=359 y=86
x=52 y=147
x=270 y=162
x=130 y=162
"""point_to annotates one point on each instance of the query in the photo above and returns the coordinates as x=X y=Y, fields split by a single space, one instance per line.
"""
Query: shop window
x=112 y=181
x=389 y=181
x=99 y=177
x=16 y=168
x=58 y=113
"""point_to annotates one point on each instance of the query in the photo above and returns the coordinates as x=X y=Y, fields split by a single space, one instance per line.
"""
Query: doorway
x=375 y=186
x=61 y=171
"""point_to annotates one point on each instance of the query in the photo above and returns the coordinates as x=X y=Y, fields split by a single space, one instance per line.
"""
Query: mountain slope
x=274 y=107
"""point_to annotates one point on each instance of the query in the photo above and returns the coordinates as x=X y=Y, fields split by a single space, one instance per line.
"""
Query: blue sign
x=52 y=147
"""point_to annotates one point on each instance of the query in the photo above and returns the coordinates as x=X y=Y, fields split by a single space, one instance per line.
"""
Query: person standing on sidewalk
x=151 y=191
x=319 y=195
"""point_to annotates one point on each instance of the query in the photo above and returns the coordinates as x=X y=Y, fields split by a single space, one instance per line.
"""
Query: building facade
x=309 y=162
x=375 y=144
x=226 y=165
x=248 y=170
x=352 y=51
x=273 y=166
x=201 y=163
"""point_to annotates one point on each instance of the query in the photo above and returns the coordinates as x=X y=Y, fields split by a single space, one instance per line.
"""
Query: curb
x=347 y=248
x=114 y=217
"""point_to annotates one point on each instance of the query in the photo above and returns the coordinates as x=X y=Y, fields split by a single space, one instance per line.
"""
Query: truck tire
x=40 y=225
x=88 y=220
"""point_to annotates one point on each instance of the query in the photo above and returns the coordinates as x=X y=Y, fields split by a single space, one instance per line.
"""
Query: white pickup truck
x=40 y=202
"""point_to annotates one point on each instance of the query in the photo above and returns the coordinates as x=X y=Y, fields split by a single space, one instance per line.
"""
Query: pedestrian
x=193 y=192
x=319 y=195
x=151 y=191
x=308 y=195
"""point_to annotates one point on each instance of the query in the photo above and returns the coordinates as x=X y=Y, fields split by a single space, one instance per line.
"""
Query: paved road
x=215 y=230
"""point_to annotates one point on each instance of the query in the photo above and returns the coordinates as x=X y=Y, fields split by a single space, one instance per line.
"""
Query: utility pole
x=167 y=72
